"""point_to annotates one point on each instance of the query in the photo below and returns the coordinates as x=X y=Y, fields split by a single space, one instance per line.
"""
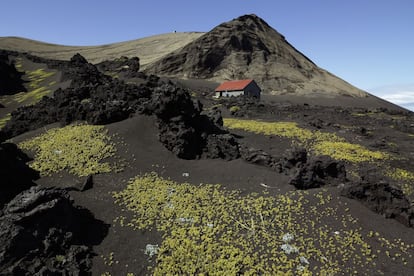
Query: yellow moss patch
x=284 y=129
x=208 y=230
x=349 y=152
x=400 y=174
x=79 y=149
x=320 y=142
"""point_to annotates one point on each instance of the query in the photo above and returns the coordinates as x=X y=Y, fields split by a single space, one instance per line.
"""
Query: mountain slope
x=247 y=47
x=147 y=49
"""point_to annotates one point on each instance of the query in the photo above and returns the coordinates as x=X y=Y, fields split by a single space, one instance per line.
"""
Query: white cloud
x=402 y=94
x=400 y=97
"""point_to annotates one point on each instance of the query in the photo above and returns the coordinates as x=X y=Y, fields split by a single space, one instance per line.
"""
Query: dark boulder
x=383 y=199
x=15 y=175
x=258 y=157
x=42 y=233
x=317 y=172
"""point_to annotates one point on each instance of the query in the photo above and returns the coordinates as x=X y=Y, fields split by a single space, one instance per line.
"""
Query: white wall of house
x=229 y=93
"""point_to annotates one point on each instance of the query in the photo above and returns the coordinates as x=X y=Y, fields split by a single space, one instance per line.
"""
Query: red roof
x=233 y=85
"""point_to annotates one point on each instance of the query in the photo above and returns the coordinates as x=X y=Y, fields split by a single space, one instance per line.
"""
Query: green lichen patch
x=80 y=149
x=207 y=230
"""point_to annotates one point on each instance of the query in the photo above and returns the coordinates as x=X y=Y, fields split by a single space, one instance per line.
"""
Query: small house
x=237 y=88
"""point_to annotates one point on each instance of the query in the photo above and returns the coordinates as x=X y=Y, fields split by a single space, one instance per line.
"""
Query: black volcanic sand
x=143 y=153
x=365 y=121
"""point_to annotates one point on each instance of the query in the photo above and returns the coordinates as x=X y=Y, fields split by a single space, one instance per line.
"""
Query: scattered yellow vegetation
x=36 y=90
x=77 y=148
x=207 y=230
x=4 y=120
x=406 y=179
x=379 y=114
x=38 y=76
x=38 y=86
x=234 y=108
x=32 y=96
x=323 y=143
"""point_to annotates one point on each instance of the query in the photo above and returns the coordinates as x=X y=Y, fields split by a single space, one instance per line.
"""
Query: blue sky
x=368 y=43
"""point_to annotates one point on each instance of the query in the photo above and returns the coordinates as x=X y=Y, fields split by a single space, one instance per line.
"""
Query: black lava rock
x=123 y=67
x=185 y=131
x=258 y=157
x=383 y=199
x=317 y=172
x=295 y=157
x=223 y=146
x=11 y=79
x=88 y=184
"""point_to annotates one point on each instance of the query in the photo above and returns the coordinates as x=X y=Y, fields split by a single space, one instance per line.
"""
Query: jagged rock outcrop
x=15 y=175
x=187 y=132
x=100 y=99
x=11 y=79
x=42 y=233
x=247 y=47
x=82 y=73
x=91 y=97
